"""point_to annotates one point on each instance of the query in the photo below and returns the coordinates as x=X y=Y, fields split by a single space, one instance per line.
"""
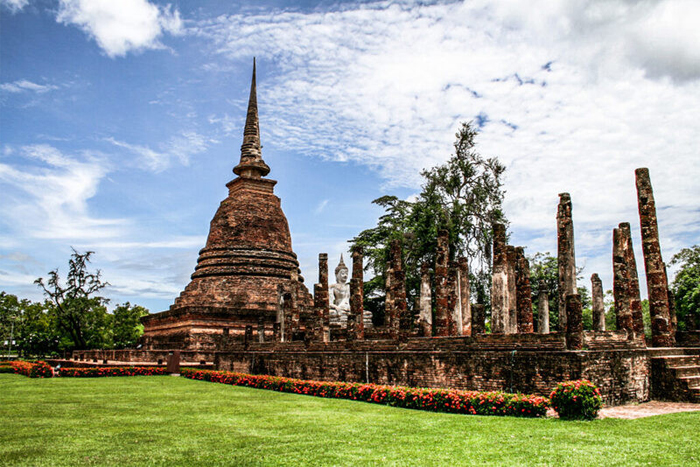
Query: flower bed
x=435 y=400
x=38 y=369
x=98 y=372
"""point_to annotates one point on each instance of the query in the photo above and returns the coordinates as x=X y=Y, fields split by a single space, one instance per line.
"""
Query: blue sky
x=120 y=122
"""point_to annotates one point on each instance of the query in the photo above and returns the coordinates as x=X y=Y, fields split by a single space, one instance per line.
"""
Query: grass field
x=161 y=420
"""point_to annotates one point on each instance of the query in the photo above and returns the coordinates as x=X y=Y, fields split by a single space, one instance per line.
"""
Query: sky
x=120 y=123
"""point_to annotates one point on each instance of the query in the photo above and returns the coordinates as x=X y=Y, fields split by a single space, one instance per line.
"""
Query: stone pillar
x=389 y=294
x=524 y=292
x=623 y=313
x=277 y=332
x=543 y=309
x=598 y=304
x=478 y=319
x=465 y=296
x=633 y=281
x=499 y=281
x=356 y=322
x=574 y=322
x=566 y=256
x=425 y=319
x=261 y=329
x=401 y=319
x=512 y=326
x=657 y=284
x=321 y=300
x=453 y=318
x=248 y=336
x=441 y=260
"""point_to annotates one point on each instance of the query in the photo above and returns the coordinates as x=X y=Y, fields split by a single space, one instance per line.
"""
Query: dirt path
x=646 y=409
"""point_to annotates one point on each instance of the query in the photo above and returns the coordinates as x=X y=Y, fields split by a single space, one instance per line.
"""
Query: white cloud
x=22 y=85
x=121 y=26
x=574 y=96
x=14 y=5
x=49 y=193
x=180 y=147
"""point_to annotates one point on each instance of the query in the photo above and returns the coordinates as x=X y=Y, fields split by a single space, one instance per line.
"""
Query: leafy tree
x=79 y=312
x=686 y=288
x=465 y=196
x=127 y=327
x=10 y=316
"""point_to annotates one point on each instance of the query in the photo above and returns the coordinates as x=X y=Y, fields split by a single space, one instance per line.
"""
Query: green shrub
x=41 y=370
x=576 y=400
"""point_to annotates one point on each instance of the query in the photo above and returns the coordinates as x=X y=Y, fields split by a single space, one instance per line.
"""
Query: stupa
x=247 y=274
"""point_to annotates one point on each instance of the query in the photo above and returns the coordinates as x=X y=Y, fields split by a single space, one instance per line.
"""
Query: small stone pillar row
x=425 y=317
x=464 y=296
x=574 y=322
x=598 y=306
x=321 y=300
x=633 y=281
x=356 y=323
x=478 y=319
x=524 y=291
x=566 y=256
x=623 y=314
x=441 y=297
x=499 y=281
x=657 y=283
x=543 y=309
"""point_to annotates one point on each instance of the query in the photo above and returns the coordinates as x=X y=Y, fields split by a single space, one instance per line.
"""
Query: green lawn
x=161 y=420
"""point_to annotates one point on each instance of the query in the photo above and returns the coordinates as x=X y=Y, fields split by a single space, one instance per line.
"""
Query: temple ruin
x=247 y=309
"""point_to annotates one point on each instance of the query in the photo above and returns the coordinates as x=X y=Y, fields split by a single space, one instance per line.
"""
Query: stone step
x=693 y=381
x=673 y=361
x=692 y=370
x=696 y=395
x=672 y=351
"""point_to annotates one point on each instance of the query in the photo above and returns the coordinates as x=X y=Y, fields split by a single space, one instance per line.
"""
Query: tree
x=78 y=311
x=465 y=196
x=686 y=288
x=127 y=327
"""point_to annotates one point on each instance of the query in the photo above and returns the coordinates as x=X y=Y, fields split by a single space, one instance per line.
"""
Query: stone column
x=657 y=283
x=574 y=322
x=261 y=329
x=499 y=281
x=400 y=320
x=512 y=326
x=441 y=259
x=321 y=300
x=277 y=332
x=543 y=309
x=356 y=322
x=478 y=319
x=524 y=292
x=633 y=281
x=598 y=304
x=623 y=313
x=453 y=304
x=425 y=319
x=464 y=296
x=389 y=294
x=566 y=256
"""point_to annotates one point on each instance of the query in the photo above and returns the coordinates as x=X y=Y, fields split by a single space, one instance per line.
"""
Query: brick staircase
x=675 y=374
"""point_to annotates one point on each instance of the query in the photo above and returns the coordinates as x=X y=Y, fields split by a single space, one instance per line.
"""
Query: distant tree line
x=73 y=316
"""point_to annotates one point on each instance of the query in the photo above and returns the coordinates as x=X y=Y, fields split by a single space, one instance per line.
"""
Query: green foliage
x=686 y=288
x=127 y=327
x=543 y=267
x=78 y=311
x=576 y=400
x=465 y=196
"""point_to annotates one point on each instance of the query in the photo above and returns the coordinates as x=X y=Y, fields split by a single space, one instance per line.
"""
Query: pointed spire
x=252 y=164
x=341 y=265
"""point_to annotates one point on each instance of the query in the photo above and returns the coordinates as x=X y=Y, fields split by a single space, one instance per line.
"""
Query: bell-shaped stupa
x=247 y=268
